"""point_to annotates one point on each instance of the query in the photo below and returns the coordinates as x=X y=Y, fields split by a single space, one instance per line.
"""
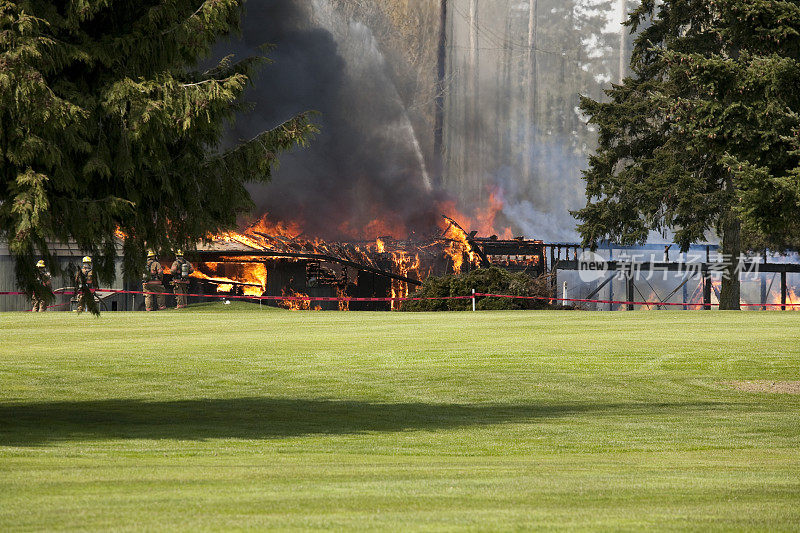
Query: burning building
x=276 y=260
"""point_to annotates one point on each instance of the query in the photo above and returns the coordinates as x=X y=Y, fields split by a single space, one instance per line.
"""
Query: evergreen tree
x=108 y=125
x=704 y=134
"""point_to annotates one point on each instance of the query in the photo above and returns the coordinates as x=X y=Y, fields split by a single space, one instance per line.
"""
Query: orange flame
x=407 y=265
x=252 y=277
x=343 y=305
x=291 y=229
x=459 y=245
x=295 y=305
x=484 y=220
x=791 y=298
x=404 y=257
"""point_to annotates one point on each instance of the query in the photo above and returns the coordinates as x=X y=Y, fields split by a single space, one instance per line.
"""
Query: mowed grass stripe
x=238 y=417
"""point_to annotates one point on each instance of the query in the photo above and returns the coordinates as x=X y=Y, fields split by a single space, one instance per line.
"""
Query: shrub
x=491 y=280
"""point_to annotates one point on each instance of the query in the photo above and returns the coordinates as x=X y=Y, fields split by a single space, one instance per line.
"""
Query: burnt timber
x=256 y=256
x=493 y=249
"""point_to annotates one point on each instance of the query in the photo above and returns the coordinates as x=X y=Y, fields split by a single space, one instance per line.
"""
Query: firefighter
x=84 y=283
x=181 y=269
x=152 y=282
x=44 y=279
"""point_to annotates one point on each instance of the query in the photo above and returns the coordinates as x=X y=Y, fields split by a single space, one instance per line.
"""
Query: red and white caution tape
x=407 y=299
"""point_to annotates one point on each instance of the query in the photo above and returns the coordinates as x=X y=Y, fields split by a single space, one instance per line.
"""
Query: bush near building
x=491 y=280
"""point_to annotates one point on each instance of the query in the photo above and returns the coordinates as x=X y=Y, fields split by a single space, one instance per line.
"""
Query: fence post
x=685 y=295
x=629 y=292
x=564 y=295
x=783 y=290
x=611 y=290
x=473 y=300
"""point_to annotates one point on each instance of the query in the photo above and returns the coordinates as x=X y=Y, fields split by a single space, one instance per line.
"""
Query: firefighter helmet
x=40 y=264
x=150 y=253
x=179 y=253
x=87 y=259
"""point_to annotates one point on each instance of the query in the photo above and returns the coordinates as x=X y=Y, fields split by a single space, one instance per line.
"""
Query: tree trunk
x=532 y=75
x=473 y=136
x=730 y=293
x=623 y=31
x=441 y=72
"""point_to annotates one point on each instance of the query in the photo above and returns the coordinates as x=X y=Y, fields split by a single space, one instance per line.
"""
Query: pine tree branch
x=184 y=22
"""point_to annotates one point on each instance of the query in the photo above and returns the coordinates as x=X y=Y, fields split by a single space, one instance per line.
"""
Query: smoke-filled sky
x=365 y=175
x=364 y=165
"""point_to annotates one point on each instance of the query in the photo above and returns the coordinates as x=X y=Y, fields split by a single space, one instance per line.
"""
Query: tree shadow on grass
x=32 y=424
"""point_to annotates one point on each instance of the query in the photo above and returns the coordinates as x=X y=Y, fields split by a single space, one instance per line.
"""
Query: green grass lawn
x=240 y=418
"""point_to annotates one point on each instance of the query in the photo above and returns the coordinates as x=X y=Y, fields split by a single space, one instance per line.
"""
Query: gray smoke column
x=513 y=127
x=365 y=174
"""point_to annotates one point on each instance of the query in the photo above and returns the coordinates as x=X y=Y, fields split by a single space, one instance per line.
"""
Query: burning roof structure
x=278 y=260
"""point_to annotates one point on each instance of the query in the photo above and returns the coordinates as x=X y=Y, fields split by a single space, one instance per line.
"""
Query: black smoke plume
x=364 y=165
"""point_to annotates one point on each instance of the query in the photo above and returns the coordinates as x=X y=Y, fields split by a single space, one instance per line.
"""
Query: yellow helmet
x=151 y=253
x=87 y=259
x=40 y=264
x=179 y=252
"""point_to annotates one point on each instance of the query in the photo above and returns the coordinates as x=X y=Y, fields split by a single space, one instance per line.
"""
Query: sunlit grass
x=240 y=417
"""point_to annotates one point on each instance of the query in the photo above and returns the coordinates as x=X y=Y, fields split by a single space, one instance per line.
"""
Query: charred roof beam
x=236 y=257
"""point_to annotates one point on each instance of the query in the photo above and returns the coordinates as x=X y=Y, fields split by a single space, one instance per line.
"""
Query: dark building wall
x=371 y=285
